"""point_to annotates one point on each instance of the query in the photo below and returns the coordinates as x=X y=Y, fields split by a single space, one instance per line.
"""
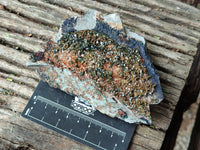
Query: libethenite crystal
x=104 y=65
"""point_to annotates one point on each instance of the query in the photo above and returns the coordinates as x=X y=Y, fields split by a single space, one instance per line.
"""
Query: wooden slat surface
x=170 y=28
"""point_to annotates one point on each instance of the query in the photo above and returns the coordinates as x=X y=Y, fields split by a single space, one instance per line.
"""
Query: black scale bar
x=51 y=108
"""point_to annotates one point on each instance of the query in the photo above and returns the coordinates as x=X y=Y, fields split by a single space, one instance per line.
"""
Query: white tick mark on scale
x=115 y=146
x=99 y=143
x=67 y=115
x=111 y=135
x=57 y=122
x=89 y=125
x=85 y=134
x=100 y=130
x=70 y=131
x=27 y=111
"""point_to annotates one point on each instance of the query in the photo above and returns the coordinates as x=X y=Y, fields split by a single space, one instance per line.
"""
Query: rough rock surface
x=129 y=105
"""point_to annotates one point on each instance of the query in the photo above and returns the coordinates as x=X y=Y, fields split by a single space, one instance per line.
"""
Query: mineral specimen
x=104 y=65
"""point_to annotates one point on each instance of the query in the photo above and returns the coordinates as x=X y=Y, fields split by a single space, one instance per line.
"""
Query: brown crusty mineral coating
x=115 y=69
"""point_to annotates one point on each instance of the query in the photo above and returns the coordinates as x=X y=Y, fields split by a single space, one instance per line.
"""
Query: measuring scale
x=67 y=115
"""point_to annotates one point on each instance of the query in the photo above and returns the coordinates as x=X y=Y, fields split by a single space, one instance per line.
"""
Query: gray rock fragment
x=88 y=21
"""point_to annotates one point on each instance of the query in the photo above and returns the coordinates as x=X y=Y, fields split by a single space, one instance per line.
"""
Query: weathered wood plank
x=188 y=96
x=14 y=22
x=44 y=15
x=159 y=121
x=5 y=144
x=147 y=138
x=13 y=103
x=65 y=13
x=170 y=90
x=162 y=36
x=157 y=17
x=172 y=66
x=19 y=89
x=136 y=147
x=173 y=55
x=127 y=5
x=13 y=55
x=160 y=11
x=20 y=79
x=156 y=40
x=171 y=80
x=170 y=101
x=162 y=110
x=30 y=44
x=147 y=132
x=11 y=68
x=174 y=7
x=147 y=143
x=133 y=9
x=186 y=22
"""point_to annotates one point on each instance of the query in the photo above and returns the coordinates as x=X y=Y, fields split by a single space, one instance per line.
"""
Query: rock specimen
x=105 y=66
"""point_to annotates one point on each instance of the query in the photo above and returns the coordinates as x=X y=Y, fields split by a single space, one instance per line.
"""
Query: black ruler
x=60 y=112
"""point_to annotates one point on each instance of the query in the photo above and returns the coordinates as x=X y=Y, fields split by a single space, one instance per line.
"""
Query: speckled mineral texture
x=103 y=65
